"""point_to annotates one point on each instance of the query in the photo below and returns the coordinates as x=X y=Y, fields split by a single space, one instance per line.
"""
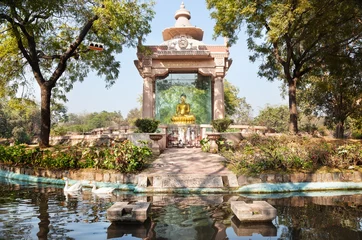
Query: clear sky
x=92 y=96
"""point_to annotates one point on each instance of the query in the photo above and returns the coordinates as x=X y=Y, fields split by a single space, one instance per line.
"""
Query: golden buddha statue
x=183 y=112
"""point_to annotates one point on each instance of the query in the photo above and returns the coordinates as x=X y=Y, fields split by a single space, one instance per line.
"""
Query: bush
x=124 y=157
x=357 y=134
x=20 y=135
x=221 y=125
x=257 y=154
x=147 y=125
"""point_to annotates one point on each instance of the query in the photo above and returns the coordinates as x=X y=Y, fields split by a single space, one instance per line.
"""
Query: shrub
x=20 y=135
x=205 y=145
x=221 y=125
x=123 y=157
x=255 y=154
x=147 y=125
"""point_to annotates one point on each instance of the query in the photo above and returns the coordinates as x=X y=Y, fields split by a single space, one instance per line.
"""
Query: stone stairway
x=187 y=168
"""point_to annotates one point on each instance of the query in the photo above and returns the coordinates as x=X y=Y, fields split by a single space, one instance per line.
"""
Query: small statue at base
x=183 y=112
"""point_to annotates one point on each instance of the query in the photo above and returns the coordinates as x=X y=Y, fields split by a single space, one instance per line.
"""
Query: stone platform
x=187 y=168
x=258 y=211
x=123 y=212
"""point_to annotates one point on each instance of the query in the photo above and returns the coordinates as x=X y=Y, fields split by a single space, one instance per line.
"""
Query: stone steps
x=176 y=181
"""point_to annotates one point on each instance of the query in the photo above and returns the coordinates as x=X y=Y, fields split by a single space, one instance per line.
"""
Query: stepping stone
x=258 y=211
x=128 y=213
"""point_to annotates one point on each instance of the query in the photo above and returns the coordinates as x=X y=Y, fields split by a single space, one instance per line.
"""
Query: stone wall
x=83 y=174
x=352 y=176
x=104 y=139
x=116 y=177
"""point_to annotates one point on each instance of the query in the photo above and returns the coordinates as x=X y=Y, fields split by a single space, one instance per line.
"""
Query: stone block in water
x=258 y=211
x=266 y=229
x=128 y=213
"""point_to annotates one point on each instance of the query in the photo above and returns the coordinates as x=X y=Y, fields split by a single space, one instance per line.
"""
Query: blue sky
x=92 y=96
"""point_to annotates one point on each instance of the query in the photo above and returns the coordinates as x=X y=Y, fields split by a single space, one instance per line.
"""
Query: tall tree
x=236 y=107
x=52 y=38
x=336 y=92
x=133 y=115
x=291 y=37
x=274 y=117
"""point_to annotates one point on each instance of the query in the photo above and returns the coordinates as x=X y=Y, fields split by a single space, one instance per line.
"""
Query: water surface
x=38 y=211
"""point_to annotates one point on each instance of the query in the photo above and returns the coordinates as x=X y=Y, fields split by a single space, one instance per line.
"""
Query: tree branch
x=70 y=51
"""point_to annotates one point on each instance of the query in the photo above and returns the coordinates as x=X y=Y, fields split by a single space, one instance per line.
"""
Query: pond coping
x=264 y=183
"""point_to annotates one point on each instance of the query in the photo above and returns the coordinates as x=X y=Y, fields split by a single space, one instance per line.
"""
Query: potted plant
x=220 y=125
x=149 y=125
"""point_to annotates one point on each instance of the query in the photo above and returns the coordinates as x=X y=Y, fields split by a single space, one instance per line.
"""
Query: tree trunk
x=340 y=130
x=45 y=115
x=293 y=118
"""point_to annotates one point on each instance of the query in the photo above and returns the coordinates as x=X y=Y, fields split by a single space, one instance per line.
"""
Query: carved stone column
x=219 y=107
x=148 y=100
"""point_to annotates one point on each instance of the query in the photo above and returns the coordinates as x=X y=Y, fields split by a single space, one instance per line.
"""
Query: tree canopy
x=336 y=92
x=51 y=39
x=236 y=107
x=292 y=38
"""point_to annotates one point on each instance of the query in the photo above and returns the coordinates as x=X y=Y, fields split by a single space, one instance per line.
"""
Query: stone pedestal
x=213 y=137
x=258 y=211
x=155 y=146
x=124 y=212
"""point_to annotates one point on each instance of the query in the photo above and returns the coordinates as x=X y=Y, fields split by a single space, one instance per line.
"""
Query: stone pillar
x=148 y=100
x=219 y=107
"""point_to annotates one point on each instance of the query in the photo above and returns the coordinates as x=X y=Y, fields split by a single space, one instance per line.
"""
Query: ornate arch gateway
x=183 y=77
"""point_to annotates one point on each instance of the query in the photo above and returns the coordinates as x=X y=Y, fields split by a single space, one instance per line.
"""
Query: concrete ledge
x=298 y=187
x=193 y=183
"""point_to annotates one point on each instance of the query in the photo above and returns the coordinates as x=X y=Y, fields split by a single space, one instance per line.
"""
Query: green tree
x=274 y=117
x=236 y=108
x=19 y=119
x=337 y=91
x=52 y=38
x=291 y=37
x=133 y=115
x=104 y=119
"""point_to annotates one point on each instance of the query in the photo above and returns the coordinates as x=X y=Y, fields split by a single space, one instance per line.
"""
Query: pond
x=35 y=211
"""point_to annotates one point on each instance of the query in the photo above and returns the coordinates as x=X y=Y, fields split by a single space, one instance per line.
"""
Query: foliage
x=19 y=119
x=133 y=115
x=86 y=122
x=336 y=93
x=221 y=125
x=52 y=37
x=274 y=117
x=205 y=145
x=291 y=38
x=257 y=154
x=124 y=157
x=147 y=125
x=236 y=108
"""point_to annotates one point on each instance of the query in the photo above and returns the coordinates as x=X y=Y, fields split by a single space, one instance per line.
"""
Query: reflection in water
x=30 y=211
x=266 y=229
x=43 y=217
x=141 y=230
